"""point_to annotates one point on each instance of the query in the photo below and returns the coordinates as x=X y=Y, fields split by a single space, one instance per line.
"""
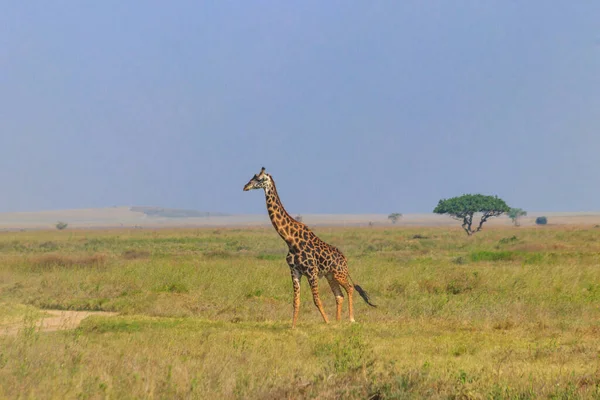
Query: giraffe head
x=262 y=180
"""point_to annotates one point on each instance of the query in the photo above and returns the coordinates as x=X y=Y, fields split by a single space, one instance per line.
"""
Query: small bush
x=61 y=225
x=541 y=220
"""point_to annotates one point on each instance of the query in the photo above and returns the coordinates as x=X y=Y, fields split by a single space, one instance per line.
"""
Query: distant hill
x=175 y=212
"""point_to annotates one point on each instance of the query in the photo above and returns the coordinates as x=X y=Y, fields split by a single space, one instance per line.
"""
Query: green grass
x=507 y=313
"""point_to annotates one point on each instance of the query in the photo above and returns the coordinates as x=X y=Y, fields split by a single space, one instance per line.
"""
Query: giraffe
x=308 y=255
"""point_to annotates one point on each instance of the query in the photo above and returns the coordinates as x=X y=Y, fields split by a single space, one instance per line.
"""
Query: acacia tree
x=515 y=214
x=394 y=217
x=464 y=207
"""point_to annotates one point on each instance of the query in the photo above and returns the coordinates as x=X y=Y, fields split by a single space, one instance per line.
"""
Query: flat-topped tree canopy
x=465 y=206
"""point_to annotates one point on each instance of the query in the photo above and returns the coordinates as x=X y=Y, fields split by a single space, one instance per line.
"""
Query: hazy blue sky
x=353 y=107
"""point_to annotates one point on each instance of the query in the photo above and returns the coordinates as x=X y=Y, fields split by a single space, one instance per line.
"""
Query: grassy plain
x=205 y=313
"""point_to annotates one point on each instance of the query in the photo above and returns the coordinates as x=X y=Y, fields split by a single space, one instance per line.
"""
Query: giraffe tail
x=363 y=293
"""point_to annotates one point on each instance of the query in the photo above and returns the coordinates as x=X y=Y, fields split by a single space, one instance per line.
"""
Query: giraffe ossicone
x=308 y=255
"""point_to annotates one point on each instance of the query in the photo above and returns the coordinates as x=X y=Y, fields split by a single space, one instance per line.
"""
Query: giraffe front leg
x=296 y=276
x=313 y=280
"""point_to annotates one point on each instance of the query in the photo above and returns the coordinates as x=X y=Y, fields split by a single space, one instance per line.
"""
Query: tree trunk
x=467 y=222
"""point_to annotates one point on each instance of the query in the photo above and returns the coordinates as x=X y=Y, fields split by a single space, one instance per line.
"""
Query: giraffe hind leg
x=339 y=296
x=314 y=287
x=343 y=281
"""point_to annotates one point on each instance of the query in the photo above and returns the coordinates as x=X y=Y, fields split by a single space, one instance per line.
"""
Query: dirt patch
x=56 y=320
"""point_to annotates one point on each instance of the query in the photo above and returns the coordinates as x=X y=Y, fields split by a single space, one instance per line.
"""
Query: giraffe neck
x=281 y=220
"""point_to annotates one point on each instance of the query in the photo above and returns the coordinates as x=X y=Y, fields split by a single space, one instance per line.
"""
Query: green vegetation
x=464 y=207
x=515 y=214
x=206 y=314
x=61 y=225
x=394 y=217
x=541 y=220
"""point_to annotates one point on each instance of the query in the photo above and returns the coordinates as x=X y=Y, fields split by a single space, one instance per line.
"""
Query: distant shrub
x=394 y=217
x=61 y=225
x=541 y=220
x=515 y=215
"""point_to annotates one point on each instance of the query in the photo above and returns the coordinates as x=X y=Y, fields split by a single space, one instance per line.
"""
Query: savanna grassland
x=508 y=313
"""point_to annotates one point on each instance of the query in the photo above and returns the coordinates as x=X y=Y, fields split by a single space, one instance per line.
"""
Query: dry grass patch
x=51 y=260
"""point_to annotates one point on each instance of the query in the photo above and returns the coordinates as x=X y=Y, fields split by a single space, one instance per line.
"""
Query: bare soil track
x=56 y=320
